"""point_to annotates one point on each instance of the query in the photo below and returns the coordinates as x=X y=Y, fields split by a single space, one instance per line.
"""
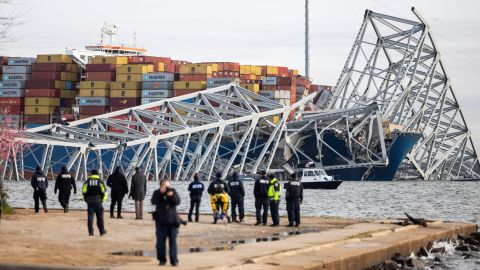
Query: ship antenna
x=307 y=45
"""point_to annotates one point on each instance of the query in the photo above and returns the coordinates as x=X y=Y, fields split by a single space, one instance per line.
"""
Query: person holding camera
x=167 y=221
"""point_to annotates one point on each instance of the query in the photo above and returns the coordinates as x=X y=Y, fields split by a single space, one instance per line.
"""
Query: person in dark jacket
x=119 y=187
x=237 y=194
x=167 y=221
x=39 y=184
x=94 y=193
x=260 y=191
x=196 y=190
x=138 y=190
x=218 y=191
x=294 y=198
x=64 y=184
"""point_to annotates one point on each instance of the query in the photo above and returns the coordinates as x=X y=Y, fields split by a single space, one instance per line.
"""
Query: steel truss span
x=216 y=129
x=395 y=63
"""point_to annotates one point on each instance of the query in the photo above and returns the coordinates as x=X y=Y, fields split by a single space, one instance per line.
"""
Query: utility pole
x=307 y=41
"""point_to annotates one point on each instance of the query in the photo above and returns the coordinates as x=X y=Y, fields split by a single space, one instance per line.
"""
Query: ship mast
x=307 y=45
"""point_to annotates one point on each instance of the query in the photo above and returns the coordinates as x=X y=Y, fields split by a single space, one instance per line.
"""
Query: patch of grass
x=4 y=206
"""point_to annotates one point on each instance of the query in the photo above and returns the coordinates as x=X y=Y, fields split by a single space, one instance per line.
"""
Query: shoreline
x=61 y=240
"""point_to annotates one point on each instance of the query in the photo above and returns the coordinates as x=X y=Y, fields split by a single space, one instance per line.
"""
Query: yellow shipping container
x=198 y=68
x=125 y=93
x=95 y=85
x=254 y=87
x=194 y=85
x=94 y=92
x=68 y=76
x=72 y=68
x=245 y=69
x=68 y=94
x=250 y=69
x=126 y=85
x=129 y=77
x=272 y=70
x=114 y=60
x=42 y=101
x=134 y=69
x=39 y=109
x=295 y=72
x=54 y=58
x=161 y=67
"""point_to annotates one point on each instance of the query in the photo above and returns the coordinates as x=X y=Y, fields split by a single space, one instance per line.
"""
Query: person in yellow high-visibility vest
x=274 y=191
x=94 y=194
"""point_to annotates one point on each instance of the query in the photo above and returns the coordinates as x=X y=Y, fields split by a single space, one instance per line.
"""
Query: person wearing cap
x=237 y=195
x=64 y=184
x=260 y=192
x=94 y=194
x=274 y=190
x=196 y=190
x=294 y=198
x=138 y=190
x=218 y=191
x=39 y=184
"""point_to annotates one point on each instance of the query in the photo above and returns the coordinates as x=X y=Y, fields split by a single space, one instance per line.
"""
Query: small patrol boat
x=313 y=178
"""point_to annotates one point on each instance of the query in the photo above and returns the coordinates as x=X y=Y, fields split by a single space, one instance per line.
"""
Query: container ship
x=54 y=88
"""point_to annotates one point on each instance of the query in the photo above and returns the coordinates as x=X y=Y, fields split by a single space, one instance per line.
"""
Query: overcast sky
x=252 y=32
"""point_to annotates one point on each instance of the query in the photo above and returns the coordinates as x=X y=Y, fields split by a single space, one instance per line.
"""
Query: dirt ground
x=61 y=239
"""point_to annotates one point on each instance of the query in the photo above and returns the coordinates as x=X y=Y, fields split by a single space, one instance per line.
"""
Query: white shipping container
x=269 y=81
x=16 y=77
x=21 y=61
x=16 y=69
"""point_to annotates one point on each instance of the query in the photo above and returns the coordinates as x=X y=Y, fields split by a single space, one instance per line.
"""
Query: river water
x=449 y=201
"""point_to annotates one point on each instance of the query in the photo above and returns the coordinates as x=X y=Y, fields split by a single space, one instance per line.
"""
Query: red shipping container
x=49 y=67
x=93 y=110
x=4 y=60
x=168 y=68
x=11 y=102
x=101 y=67
x=285 y=81
x=55 y=93
x=269 y=87
x=100 y=76
x=40 y=84
x=188 y=77
x=51 y=75
x=148 y=60
x=181 y=92
x=37 y=119
x=118 y=108
x=130 y=102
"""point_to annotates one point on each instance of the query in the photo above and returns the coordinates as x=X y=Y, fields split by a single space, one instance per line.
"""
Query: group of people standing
x=267 y=193
x=94 y=193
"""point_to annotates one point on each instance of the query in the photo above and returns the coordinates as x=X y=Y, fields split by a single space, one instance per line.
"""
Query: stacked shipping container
x=126 y=91
x=51 y=89
x=193 y=78
x=15 y=71
x=157 y=86
x=95 y=91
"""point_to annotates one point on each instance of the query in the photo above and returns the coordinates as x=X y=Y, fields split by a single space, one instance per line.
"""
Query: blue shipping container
x=12 y=84
x=157 y=93
x=94 y=101
x=150 y=100
x=215 y=82
x=21 y=61
x=269 y=81
x=12 y=93
x=16 y=77
x=158 y=77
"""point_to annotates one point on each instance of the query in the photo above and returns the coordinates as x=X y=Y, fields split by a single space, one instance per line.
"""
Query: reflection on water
x=427 y=199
